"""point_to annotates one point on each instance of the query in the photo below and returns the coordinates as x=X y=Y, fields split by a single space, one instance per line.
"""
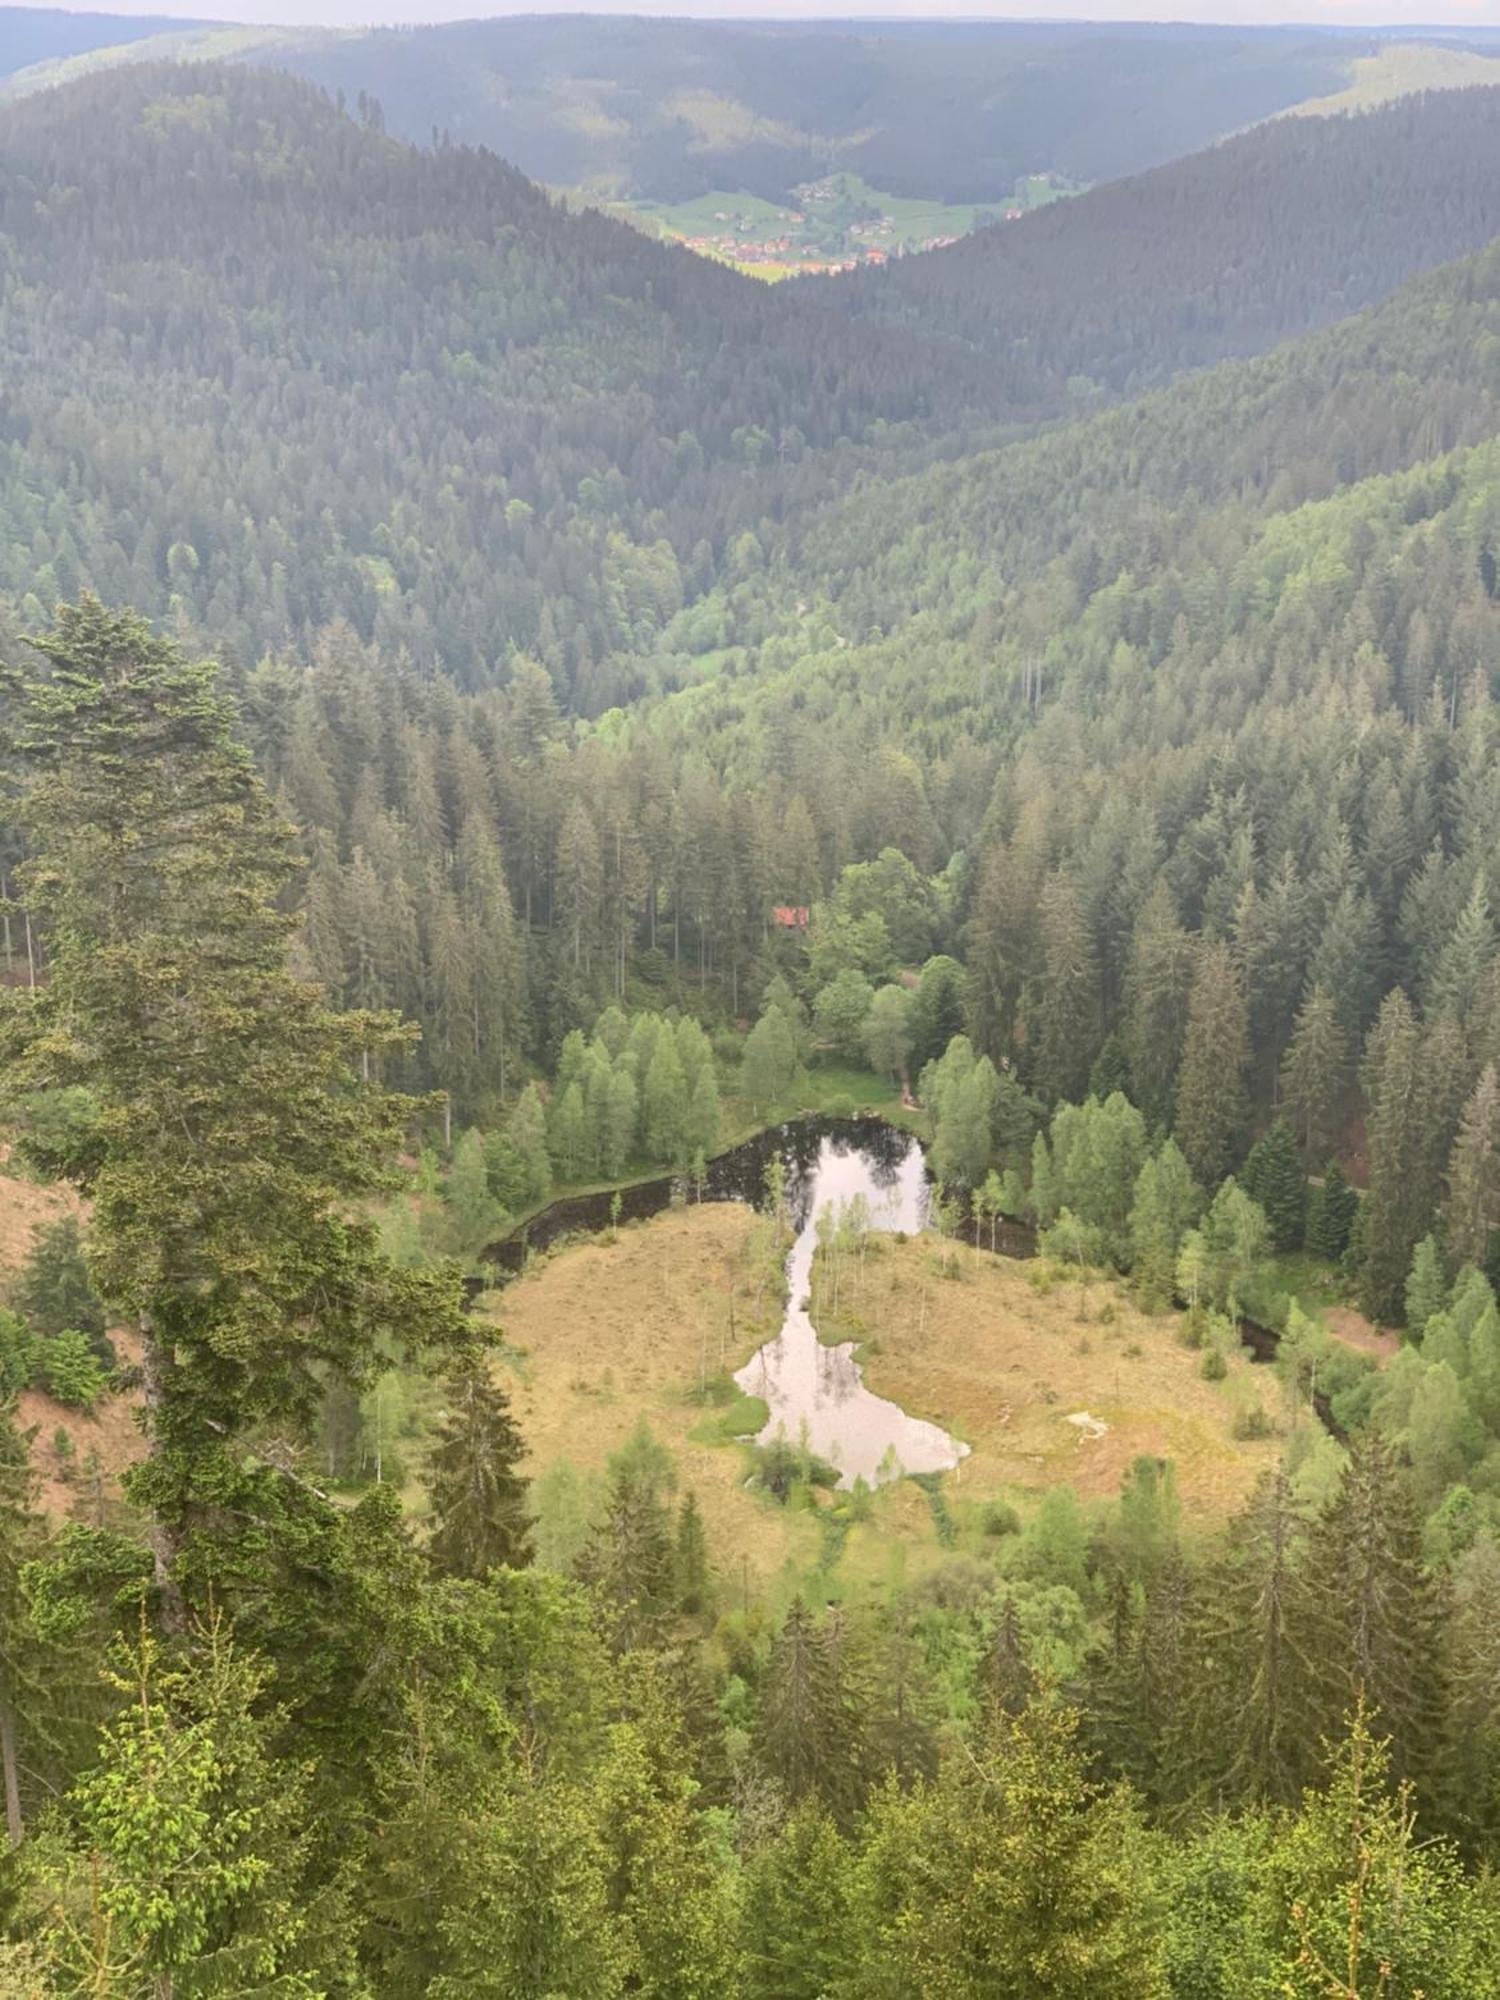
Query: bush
x=1214 y=1367
x=782 y=1466
x=1252 y=1422
x=998 y=1517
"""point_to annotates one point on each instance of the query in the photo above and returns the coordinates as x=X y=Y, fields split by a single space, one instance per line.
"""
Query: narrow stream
x=816 y=1393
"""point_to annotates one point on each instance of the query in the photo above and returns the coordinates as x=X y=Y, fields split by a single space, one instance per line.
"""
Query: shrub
x=1214 y=1367
x=998 y=1517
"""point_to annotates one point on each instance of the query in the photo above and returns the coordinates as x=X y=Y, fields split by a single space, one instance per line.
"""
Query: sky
x=362 y=13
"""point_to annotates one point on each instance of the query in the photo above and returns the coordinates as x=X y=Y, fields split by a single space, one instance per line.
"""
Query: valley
x=749 y=1032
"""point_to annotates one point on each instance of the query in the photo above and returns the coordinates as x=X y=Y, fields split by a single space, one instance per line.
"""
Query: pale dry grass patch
x=609 y=1332
x=1004 y=1364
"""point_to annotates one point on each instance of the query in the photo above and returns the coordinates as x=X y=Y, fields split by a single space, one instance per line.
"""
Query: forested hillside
x=48 y=34
x=952 y=111
x=397 y=387
x=524 y=757
x=1281 y=229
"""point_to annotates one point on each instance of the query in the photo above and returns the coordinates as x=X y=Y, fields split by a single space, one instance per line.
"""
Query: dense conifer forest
x=493 y=709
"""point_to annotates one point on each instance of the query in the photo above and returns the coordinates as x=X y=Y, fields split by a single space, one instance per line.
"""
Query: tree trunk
x=13 y=1823
x=165 y=1536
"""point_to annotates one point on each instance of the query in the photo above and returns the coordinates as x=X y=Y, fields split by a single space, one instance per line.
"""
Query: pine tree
x=1473 y=1206
x=1274 y=1178
x=1331 y=1211
x=1210 y=1087
x=1426 y=1287
x=479 y=1501
x=235 y=1137
x=811 y=1731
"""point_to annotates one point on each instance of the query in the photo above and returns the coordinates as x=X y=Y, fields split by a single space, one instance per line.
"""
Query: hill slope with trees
x=1265 y=236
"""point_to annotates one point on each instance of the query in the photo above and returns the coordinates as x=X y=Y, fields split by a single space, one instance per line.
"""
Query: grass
x=642 y=1326
x=1396 y=71
x=1000 y=1353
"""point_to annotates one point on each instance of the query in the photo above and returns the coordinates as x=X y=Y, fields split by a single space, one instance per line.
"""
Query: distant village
x=833 y=229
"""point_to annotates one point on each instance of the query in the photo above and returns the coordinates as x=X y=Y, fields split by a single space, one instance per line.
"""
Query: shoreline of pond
x=738 y=1175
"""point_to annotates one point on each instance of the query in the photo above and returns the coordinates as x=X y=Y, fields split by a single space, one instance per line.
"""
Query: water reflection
x=815 y=1392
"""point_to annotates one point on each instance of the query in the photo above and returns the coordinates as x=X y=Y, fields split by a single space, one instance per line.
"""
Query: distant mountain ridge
x=1287 y=227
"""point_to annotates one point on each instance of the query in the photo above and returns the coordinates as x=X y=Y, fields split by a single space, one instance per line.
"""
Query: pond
x=815 y=1393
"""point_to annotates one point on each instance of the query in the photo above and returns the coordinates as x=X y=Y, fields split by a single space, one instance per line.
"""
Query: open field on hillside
x=1398 y=70
x=110 y=1432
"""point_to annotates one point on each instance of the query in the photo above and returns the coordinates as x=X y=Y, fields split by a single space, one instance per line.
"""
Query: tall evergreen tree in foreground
x=479 y=1500
x=234 y=1130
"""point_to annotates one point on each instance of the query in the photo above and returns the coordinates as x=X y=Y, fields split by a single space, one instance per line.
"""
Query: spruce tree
x=691 y=1558
x=1210 y=1088
x=22 y=1673
x=1064 y=1007
x=1332 y=1207
x=1401 y=1122
x=1274 y=1178
x=1472 y=1209
x=799 y=1932
x=236 y=1134
x=53 y=1288
x=479 y=1501
x=1014 y=1875
x=1426 y=1287
x=1315 y=1074
x=1368 y=1613
x=527 y=1132
x=1158 y=981
x=810 y=1734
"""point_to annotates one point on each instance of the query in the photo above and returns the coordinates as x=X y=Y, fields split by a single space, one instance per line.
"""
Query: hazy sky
x=349 y=13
